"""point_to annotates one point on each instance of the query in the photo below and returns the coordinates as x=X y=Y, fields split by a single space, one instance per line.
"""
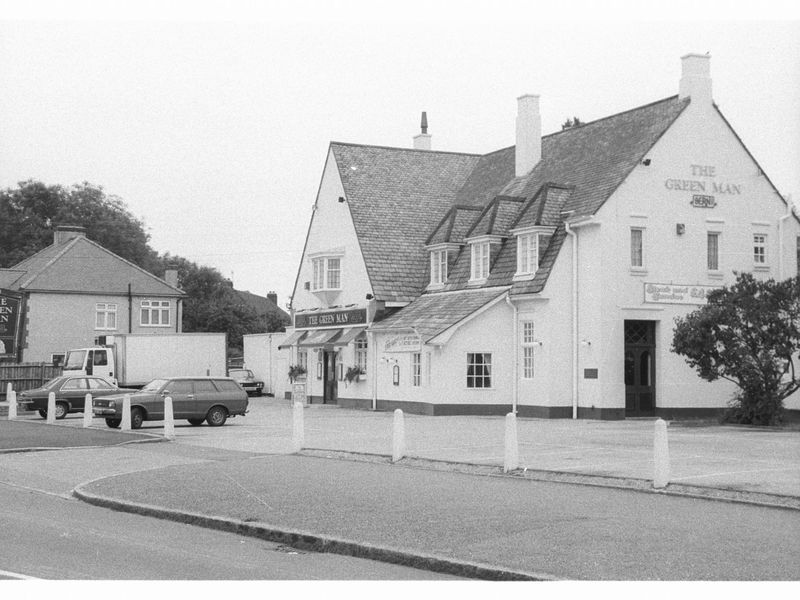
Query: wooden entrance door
x=640 y=368
x=330 y=385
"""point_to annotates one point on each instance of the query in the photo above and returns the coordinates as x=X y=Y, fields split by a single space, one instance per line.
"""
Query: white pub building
x=542 y=278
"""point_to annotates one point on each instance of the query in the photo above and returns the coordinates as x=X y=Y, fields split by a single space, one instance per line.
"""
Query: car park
x=248 y=381
x=70 y=393
x=196 y=399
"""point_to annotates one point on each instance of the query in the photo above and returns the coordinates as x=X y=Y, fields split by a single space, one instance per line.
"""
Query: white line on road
x=12 y=575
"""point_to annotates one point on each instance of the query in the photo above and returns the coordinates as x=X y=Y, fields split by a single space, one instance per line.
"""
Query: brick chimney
x=422 y=141
x=64 y=233
x=696 y=78
x=273 y=297
x=528 y=151
x=171 y=277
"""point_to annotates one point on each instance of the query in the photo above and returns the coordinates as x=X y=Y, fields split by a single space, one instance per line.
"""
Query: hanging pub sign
x=332 y=318
x=10 y=303
x=668 y=293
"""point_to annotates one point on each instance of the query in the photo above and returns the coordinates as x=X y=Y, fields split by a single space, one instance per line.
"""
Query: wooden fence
x=26 y=376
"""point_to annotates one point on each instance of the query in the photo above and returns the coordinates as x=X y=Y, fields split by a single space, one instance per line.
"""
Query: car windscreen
x=154 y=385
x=74 y=360
x=237 y=373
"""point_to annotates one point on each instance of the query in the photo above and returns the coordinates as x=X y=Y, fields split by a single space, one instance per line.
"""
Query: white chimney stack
x=696 y=78
x=422 y=141
x=529 y=134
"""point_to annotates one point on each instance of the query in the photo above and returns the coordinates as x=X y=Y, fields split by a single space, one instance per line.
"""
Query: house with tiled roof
x=541 y=279
x=75 y=291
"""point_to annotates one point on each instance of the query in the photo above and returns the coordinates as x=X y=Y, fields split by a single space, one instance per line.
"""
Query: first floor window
x=713 y=251
x=480 y=260
x=327 y=273
x=527 y=349
x=155 y=313
x=361 y=354
x=105 y=316
x=479 y=370
x=438 y=266
x=637 y=248
x=759 y=249
x=416 y=369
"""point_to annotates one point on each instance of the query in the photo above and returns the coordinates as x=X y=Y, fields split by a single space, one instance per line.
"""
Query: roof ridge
x=380 y=147
x=630 y=110
x=49 y=263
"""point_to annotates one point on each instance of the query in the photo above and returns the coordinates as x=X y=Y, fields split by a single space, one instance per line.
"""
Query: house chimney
x=171 y=277
x=528 y=151
x=64 y=233
x=696 y=78
x=273 y=297
x=422 y=141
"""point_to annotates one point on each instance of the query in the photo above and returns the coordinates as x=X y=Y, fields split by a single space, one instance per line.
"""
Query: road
x=49 y=536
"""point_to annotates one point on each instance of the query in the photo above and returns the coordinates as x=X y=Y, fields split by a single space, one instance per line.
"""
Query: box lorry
x=132 y=360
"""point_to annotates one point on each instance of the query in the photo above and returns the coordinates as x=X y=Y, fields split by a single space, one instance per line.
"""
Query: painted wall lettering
x=703 y=199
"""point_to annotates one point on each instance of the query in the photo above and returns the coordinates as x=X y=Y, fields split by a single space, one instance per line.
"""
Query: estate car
x=196 y=399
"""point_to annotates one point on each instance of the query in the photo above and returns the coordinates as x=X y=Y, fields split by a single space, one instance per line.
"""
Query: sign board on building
x=669 y=293
x=403 y=343
x=331 y=318
x=10 y=303
x=702 y=201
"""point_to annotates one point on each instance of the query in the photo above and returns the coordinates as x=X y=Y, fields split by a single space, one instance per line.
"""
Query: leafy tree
x=570 y=123
x=748 y=333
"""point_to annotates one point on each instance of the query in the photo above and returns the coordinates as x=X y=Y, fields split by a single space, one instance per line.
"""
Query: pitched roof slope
x=395 y=195
x=491 y=174
x=262 y=305
x=83 y=266
x=431 y=314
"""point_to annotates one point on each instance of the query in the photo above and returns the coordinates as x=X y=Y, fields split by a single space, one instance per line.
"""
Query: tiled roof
x=263 y=305
x=395 y=196
x=490 y=176
x=431 y=314
x=81 y=265
x=454 y=225
x=8 y=277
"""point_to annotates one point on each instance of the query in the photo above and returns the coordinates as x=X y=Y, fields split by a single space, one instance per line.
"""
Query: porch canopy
x=320 y=337
x=348 y=335
x=292 y=339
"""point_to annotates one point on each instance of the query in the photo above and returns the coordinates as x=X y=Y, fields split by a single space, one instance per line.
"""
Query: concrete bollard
x=51 y=408
x=87 y=410
x=298 y=432
x=398 y=436
x=169 y=419
x=660 y=455
x=11 y=396
x=126 y=413
x=511 y=459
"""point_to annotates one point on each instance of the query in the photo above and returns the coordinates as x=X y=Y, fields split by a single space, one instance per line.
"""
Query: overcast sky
x=213 y=126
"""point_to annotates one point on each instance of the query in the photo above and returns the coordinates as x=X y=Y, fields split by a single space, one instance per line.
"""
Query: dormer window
x=438 y=267
x=531 y=245
x=480 y=260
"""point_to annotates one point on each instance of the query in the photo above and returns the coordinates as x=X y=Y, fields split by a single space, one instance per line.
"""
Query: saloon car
x=70 y=394
x=196 y=399
x=248 y=381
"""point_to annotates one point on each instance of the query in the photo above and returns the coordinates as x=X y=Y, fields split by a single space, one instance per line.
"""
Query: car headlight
x=112 y=404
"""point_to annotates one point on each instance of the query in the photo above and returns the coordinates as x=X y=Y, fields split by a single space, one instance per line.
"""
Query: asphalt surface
x=448 y=507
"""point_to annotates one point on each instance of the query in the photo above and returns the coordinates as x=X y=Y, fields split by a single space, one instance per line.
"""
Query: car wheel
x=137 y=417
x=62 y=408
x=196 y=422
x=217 y=416
x=43 y=414
x=113 y=423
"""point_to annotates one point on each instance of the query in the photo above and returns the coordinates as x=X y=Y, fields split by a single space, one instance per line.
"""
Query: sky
x=212 y=120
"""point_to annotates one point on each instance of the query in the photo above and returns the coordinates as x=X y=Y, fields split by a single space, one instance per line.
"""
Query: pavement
x=342 y=493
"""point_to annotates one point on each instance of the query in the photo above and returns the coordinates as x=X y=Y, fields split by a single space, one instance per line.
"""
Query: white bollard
x=398 y=436
x=87 y=410
x=169 y=419
x=298 y=434
x=11 y=396
x=51 y=408
x=511 y=459
x=660 y=455
x=126 y=413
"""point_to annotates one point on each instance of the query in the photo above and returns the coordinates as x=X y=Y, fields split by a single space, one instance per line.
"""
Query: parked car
x=196 y=399
x=70 y=394
x=246 y=379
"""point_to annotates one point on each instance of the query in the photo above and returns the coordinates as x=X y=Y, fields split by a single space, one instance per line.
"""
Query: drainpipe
x=371 y=347
x=130 y=310
x=781 y=274
x=515 y=364
x=574 y=237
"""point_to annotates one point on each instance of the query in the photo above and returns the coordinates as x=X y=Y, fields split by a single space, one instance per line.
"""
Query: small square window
x=479 y=370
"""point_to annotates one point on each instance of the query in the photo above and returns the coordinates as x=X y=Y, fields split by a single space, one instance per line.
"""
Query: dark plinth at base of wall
x=534 y=412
